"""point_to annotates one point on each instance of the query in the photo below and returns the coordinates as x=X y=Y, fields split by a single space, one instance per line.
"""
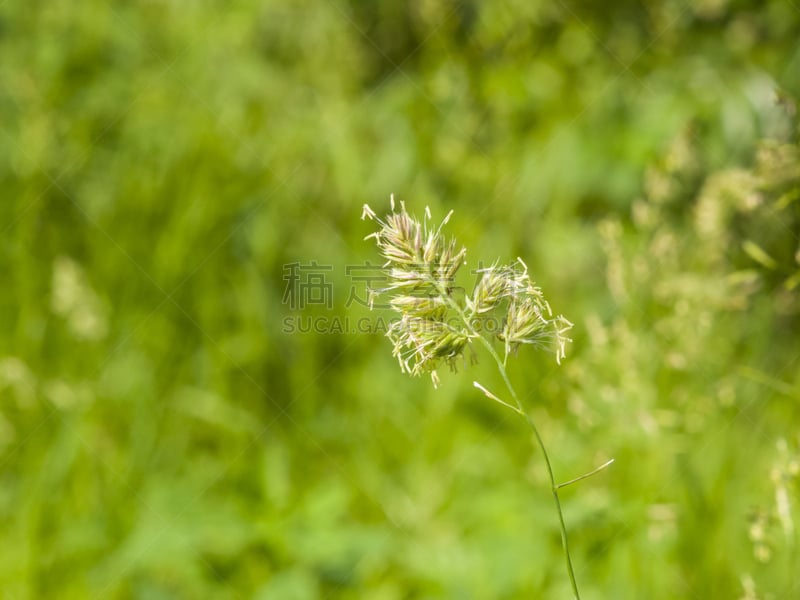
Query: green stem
x=553 y=486
x=519 y=409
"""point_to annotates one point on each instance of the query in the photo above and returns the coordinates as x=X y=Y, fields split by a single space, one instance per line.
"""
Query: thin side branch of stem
x=491 y=396
x=585 y=475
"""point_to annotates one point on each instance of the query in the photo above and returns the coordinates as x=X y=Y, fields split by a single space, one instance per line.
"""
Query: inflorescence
x=437 y=320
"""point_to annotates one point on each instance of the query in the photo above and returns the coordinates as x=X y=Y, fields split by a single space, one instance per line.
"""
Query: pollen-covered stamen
x=367 y=213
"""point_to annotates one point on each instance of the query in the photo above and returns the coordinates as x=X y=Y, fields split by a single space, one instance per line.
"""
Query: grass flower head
x=436 y=324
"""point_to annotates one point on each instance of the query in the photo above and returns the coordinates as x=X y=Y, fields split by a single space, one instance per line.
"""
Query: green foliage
x=163 y=436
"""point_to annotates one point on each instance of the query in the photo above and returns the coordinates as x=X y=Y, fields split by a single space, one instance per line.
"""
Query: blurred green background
x=163 y=436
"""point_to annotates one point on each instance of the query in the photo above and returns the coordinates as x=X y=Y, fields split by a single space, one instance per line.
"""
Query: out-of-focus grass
x=162 y=436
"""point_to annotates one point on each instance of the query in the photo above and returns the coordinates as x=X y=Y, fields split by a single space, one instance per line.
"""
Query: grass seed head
x=434 y=326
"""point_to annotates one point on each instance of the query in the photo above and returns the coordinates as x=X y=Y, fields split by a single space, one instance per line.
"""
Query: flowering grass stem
x=518 y=408
x=422 y=266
